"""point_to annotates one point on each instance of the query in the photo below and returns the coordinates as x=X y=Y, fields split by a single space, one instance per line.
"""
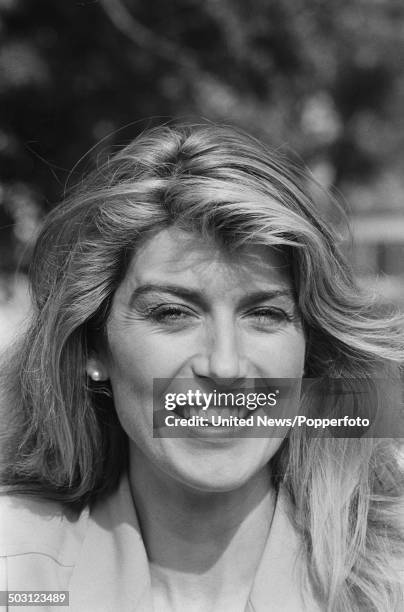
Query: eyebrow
x=191 y=295
x=266 y=294
x=196 y=297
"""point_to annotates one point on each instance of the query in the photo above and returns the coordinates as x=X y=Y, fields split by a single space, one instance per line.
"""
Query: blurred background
x=321 y=78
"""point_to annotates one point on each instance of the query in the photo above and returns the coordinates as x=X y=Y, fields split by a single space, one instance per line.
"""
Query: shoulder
x=39 y=543
x=30 y=524
x=98 y=555
x=43 y=546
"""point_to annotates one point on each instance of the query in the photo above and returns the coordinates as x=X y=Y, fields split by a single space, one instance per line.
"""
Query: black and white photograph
x=202 y=305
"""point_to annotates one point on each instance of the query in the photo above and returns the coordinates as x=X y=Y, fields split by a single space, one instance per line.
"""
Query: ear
x=96 y=370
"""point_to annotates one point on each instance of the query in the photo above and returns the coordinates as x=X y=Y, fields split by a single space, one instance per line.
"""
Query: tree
x=322 y=78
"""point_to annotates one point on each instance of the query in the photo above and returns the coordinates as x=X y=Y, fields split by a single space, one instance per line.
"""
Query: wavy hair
x=63 y=439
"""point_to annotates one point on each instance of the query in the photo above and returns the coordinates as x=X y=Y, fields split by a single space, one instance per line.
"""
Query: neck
x=196 y=539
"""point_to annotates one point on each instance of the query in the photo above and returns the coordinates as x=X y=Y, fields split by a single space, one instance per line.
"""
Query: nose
x=221 y=356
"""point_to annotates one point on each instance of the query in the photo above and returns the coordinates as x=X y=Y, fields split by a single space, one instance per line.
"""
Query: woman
x=195 y=257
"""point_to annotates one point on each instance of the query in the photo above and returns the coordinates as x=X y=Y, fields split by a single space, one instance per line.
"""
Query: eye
x=170 y=313
x=269 y=316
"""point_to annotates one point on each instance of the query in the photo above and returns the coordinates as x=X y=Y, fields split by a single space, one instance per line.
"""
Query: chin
x=218 y=471
x=215 y=483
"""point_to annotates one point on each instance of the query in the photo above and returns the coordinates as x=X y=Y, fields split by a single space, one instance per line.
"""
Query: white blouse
x=100 y=559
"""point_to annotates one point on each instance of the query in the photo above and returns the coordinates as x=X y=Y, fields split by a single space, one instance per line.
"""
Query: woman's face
x=186 y=310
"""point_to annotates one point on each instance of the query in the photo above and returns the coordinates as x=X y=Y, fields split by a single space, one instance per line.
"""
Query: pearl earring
x=96 y=375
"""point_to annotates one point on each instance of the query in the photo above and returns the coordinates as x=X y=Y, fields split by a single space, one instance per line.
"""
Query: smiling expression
x=186 y=309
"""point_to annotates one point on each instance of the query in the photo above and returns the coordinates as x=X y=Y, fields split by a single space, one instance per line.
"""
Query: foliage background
x=323 y=78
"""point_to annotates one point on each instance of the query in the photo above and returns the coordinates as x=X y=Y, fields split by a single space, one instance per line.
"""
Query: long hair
x=63 y=438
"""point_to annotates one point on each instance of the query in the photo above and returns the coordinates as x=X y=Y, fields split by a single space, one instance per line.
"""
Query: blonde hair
x=64 y=441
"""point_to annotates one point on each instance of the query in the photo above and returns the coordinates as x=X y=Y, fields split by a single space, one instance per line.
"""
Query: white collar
x=113 y=570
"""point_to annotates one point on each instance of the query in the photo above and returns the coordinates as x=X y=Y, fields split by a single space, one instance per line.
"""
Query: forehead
x=176 y=255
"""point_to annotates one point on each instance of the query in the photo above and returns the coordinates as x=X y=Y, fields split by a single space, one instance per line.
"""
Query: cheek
x=284 y=355
x=134 y=361
x=144 y=356
x=132 y=392
x=130 y=377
